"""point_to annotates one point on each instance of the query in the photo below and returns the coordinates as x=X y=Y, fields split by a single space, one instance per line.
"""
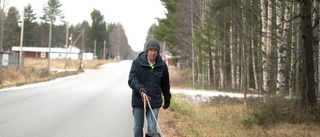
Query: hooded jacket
x=154 y=79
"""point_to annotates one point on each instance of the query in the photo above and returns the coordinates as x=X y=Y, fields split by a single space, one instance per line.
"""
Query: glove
x=142 y=90
x=166 y=103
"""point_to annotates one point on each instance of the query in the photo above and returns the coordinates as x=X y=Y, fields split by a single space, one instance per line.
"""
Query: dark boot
x=153 y=135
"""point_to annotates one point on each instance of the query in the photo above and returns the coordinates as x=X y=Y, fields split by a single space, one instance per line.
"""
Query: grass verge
x=231 y=120
x=228 y=117
x=36 y=70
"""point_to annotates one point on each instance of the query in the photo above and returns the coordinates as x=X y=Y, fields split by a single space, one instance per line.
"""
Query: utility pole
x=94 y=52
x=109 y=51
x=118 y=53
x=50 y=34
x=82 y=50
x=104 y=50
x=67 y=40
x=67 y=37
x=21 y=41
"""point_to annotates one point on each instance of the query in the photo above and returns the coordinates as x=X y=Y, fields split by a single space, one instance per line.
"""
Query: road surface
x=93 y=104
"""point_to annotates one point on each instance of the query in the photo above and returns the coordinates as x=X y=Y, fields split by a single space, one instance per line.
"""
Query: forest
x=268 y=46
x=105 y=40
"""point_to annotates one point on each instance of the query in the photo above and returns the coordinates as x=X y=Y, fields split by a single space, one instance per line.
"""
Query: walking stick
x=145 y=99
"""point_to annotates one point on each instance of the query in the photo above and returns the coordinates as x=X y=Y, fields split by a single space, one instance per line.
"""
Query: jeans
x=138 y=116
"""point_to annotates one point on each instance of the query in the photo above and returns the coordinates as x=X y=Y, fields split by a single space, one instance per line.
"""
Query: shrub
x=278 y=110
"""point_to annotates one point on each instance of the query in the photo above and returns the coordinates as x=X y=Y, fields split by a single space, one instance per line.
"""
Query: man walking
x=148 y=76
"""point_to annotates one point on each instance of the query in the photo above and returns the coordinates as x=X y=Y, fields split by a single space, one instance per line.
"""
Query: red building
x=71 y=52
x=167 y=57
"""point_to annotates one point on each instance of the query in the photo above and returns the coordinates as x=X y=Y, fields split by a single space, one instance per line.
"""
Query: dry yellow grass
x=35 y=70
x=224 y=120
x=184 y=119
x=180 y=78
x=62 y=64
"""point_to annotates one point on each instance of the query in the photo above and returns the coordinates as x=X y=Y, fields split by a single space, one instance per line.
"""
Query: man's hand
x=166 y=103
x=143 y=93
x=142 y=90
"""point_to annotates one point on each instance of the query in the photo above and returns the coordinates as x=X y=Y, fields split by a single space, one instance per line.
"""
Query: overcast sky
x=136 y=16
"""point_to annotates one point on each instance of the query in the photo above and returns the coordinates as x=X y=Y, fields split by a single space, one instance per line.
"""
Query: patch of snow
x=206 y=93
x=202 y=96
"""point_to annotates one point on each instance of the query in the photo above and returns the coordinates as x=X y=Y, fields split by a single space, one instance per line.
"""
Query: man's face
x=152 y=54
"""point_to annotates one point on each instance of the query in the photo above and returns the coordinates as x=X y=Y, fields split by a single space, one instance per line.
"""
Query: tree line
x=99 y=36
x=267 y=46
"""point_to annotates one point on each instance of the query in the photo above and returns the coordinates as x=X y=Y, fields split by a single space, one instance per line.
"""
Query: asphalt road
x=96 y=103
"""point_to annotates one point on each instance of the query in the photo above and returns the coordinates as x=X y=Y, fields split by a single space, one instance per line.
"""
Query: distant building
x=71 y=52
x=168 y=59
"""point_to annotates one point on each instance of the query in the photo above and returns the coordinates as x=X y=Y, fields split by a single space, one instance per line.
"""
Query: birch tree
x=281 y=50
x=265 y=41
x=286 y=38
x=236 y=51
x=295 y=54
x=254 y=35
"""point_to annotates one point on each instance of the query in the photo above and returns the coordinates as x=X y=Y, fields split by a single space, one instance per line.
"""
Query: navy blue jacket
x=154 y=79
